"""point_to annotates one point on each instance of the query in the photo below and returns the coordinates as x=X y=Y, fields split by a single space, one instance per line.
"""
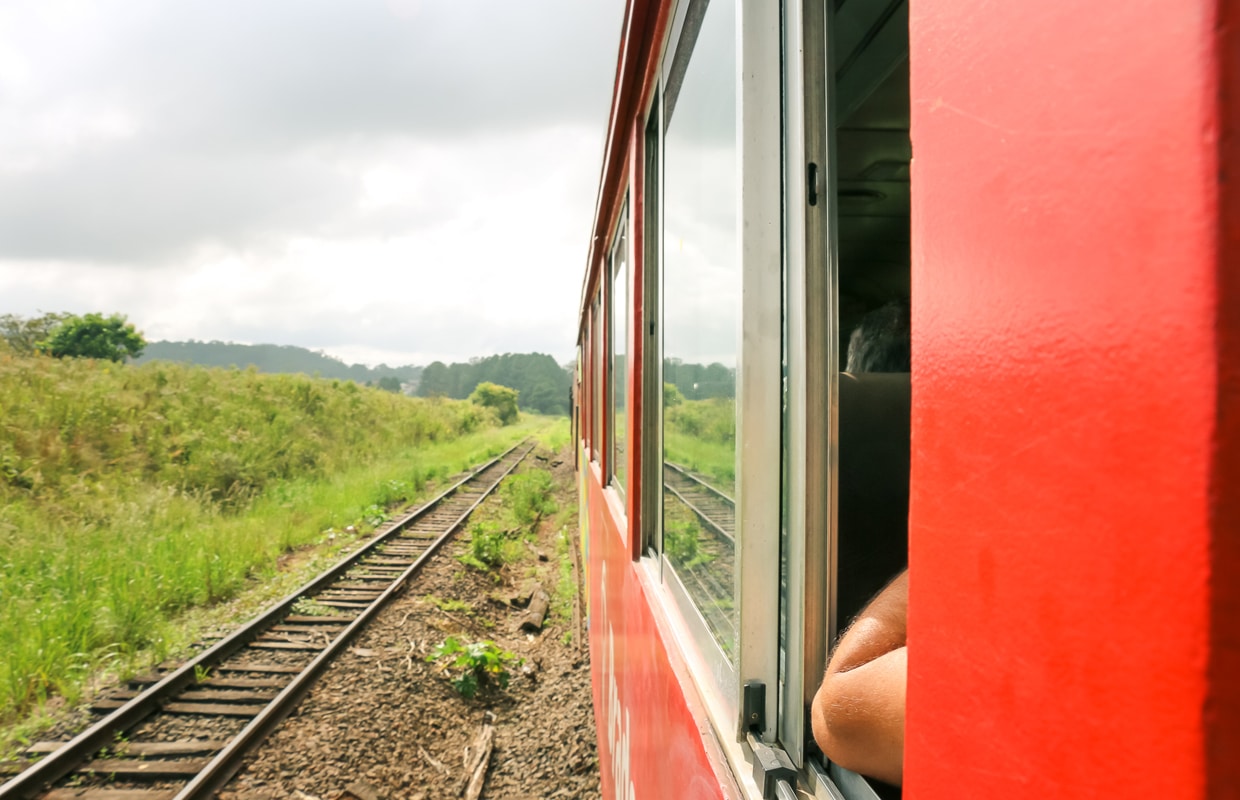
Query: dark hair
x=880 y=342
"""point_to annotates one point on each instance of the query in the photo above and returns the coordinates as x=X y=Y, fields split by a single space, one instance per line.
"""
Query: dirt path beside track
x=384 y=723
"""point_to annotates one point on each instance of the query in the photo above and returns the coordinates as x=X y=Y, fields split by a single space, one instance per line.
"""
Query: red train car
x=1046 y=190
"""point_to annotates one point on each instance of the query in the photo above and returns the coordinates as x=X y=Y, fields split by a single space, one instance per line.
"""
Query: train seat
x=872 y=506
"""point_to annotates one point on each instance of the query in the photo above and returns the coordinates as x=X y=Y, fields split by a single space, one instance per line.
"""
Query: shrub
x=486 y=545
x=528 y=496
x=500 y=398
x=476 y=664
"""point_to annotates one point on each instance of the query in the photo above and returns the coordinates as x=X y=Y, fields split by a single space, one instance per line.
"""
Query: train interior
x=873 y=154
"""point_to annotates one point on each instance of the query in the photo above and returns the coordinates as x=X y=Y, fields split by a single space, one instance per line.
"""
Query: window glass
x=596 y=377
x=701 y=317
x=621 y=310
x=651 y=384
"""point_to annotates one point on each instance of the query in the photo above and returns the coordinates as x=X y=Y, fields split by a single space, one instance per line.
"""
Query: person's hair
x=880 y=342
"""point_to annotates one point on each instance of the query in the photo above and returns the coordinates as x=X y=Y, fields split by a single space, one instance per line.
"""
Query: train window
x=596 y=378
x=651 y=385
x=872 y=212
x=700 y=297
x=621 y=311
x=868 y=81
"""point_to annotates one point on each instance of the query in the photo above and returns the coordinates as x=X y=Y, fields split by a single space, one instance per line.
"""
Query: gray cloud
x=247 y=122
x=132 y=205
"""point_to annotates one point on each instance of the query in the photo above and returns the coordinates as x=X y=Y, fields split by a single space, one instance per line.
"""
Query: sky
x=396 y=181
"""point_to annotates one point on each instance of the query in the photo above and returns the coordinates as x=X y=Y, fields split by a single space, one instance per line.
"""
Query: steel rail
x=711 y=523
x=687 y=474
x=226 y=763
x=31 y=781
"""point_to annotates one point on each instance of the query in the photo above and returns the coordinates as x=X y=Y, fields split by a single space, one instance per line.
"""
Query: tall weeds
x=130 y=493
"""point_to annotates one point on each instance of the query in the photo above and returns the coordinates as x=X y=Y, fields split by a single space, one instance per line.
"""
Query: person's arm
x=858 y=712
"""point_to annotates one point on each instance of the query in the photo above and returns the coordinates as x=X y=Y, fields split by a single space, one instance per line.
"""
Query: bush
x=500 y=398
x=478 y=664
x=672 y=396
x=486 y=545
x=528 y=496
x=94 y=336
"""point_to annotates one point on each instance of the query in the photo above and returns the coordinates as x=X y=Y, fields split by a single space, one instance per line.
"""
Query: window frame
x=760 y=251
x=651 y=461
x=811 y=424
x=621 y=229
x=597 y=370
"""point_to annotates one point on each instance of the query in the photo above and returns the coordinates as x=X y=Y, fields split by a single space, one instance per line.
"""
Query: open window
x=872 y=166
x=847 y=287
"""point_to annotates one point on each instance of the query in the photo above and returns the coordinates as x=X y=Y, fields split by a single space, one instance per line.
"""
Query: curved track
x=184 y=735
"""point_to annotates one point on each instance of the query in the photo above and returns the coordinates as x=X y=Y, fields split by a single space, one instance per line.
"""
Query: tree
x=500 y=398
x=95 y=336
x=25 y=335
x=390 y=383
x=671 y=395
x=434 y=381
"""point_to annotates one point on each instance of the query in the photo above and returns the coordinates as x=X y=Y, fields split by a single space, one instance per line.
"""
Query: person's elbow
x=858 y=717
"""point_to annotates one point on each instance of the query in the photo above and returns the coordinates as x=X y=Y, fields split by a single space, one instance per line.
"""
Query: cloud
x=141 y=133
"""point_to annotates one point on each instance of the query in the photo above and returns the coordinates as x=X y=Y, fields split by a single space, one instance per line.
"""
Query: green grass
x=555 y=434
x=450 y=605
x=130 y=496
x=499 y=531
x=700 y=435
x=565 y=587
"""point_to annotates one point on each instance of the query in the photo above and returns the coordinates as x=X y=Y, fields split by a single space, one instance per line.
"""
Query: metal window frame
x=811 y=412
x=621 y=228
x=760 y=211
x=597 y=396
x=651 y=461
x=812 y=415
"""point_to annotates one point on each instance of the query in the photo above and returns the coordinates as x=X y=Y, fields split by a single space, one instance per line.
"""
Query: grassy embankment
x=129 y=495
x=701 y=436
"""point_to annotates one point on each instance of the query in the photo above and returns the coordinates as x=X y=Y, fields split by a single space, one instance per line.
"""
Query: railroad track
x=710 y=578
x=182 y=734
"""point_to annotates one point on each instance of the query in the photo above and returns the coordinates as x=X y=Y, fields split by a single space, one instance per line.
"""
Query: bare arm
x=858 y=712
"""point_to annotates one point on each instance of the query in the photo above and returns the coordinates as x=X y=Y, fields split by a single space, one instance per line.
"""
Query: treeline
x=542 y=383
x=700 y=381
x=279 y=359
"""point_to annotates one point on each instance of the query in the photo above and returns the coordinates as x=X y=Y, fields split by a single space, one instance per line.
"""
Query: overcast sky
x=383 y=180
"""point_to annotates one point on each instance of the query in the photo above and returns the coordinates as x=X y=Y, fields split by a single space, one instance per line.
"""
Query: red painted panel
x=650 y=745
x=1064 y=249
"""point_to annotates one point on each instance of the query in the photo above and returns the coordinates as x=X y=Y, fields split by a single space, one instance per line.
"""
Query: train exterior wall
x=1070 y=571
x=651 y=743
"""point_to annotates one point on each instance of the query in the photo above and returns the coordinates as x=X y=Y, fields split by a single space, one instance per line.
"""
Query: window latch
x=811 y=183
x=773 y=770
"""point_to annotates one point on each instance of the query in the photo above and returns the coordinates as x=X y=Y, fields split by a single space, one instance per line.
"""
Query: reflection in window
x=620 y=312
x=596 y=377
x=701 y=315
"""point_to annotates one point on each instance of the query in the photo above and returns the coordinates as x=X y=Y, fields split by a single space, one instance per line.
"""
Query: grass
x=450 y=605
x=565 y=587
x=132 y=496
x=700 y=435
x=555 y=433
x=499 y=531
